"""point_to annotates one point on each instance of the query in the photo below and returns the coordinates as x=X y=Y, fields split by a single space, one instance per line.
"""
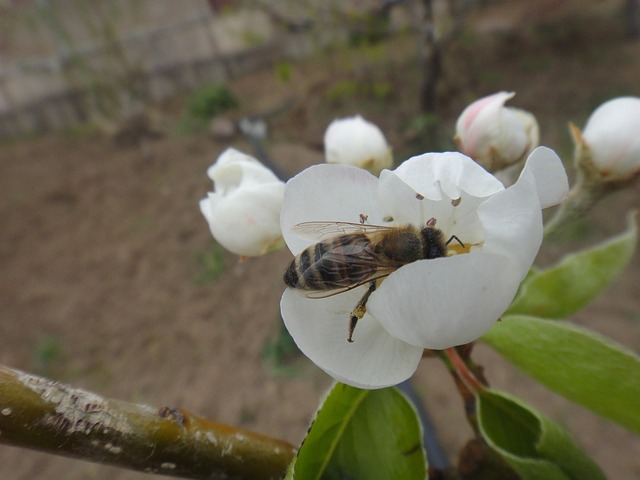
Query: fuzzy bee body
x=370 y=252
x=361 y=254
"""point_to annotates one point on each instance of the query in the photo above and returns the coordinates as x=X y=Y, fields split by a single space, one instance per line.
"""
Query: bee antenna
x=453 y=237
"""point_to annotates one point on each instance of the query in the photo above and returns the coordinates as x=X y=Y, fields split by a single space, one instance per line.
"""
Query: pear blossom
x=612 y=134
x=243 y=211
x=435 y=303
x=607 y=157
x=496 y=136
x=356 y=141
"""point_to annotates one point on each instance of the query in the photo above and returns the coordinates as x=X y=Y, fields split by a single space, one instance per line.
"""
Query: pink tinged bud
x=494 y=135
x=356 y=141
x=612 y=135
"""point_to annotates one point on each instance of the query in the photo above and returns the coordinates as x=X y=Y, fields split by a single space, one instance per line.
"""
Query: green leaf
x=533 y=445
x=579 y=364
x=564 y=289
x=362 y=434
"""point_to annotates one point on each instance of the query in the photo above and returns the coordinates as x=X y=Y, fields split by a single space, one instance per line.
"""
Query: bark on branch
x=53 y=417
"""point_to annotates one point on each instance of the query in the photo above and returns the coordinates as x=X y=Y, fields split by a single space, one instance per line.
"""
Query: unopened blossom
x=612 y=139
x=356 y=141
x=496 y=136
x=607 y=157
x=434 y=303
x=243 y=211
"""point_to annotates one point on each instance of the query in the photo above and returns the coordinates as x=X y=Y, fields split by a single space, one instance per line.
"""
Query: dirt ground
x=104 y=253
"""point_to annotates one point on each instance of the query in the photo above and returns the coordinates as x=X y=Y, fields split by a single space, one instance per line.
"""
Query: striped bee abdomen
x=337 y=263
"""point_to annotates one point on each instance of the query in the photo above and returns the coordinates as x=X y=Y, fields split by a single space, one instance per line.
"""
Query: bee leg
x=360 y=310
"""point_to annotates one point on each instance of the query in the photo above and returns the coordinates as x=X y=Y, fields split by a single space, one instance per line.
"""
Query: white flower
x=612 y=134
x=496 y=136
x=355 y=141
x=244 y=210
x=436 y=303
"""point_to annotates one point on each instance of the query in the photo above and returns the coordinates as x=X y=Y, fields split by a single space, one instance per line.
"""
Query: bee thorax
x=401 y=247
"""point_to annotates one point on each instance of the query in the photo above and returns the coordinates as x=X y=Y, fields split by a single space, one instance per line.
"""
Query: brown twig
x=53 y=417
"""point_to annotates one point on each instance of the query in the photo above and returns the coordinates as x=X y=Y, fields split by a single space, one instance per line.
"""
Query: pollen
x=455 y=248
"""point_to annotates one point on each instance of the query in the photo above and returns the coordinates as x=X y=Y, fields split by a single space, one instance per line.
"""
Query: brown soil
x=103 y=283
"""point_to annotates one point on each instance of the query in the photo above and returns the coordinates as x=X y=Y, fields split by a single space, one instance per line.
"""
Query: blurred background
x=111 y=112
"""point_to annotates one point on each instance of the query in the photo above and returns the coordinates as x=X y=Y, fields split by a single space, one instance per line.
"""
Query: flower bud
x=496 y=136
x=355 y=141
x=611 y=140
x=243 y=211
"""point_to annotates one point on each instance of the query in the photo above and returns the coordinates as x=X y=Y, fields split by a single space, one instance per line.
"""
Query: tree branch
x=53 y=417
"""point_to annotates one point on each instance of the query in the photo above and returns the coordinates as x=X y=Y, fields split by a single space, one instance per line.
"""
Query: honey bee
x=359 y=254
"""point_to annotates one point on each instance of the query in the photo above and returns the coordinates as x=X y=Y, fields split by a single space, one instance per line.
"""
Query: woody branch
x=53 y=417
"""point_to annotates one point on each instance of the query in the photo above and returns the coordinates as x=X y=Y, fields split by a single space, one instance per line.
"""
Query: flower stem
x=582 y=198
x=53 y=417
x=466 y=381
x=463 y=371
x=477 y=459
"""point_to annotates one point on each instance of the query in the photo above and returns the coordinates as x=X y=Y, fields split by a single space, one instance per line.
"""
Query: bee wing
x=331 y=293
x=319 y=229
x=355 y=256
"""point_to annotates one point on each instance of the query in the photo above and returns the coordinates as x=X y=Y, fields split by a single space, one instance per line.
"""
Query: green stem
x=582 y=198
x=53 y=417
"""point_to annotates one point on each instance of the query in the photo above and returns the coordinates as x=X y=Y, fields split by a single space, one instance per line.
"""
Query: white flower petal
x=611 y=133
x=512 y=223
x=327 y=193
x=205 y=208
x=530 y=125
x=513 y=141
x=445 y=302
x=356 y=141
x=494 y=135
x=320 y=327
x=233 y=168
x=399 y=202
x=479 y=124
x=243 y=211
x=440 y=178
x=549 y=174
x=451 y=173
x=246 y=221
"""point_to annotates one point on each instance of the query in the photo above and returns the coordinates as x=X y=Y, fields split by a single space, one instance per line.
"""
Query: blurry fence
x=52 y=93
